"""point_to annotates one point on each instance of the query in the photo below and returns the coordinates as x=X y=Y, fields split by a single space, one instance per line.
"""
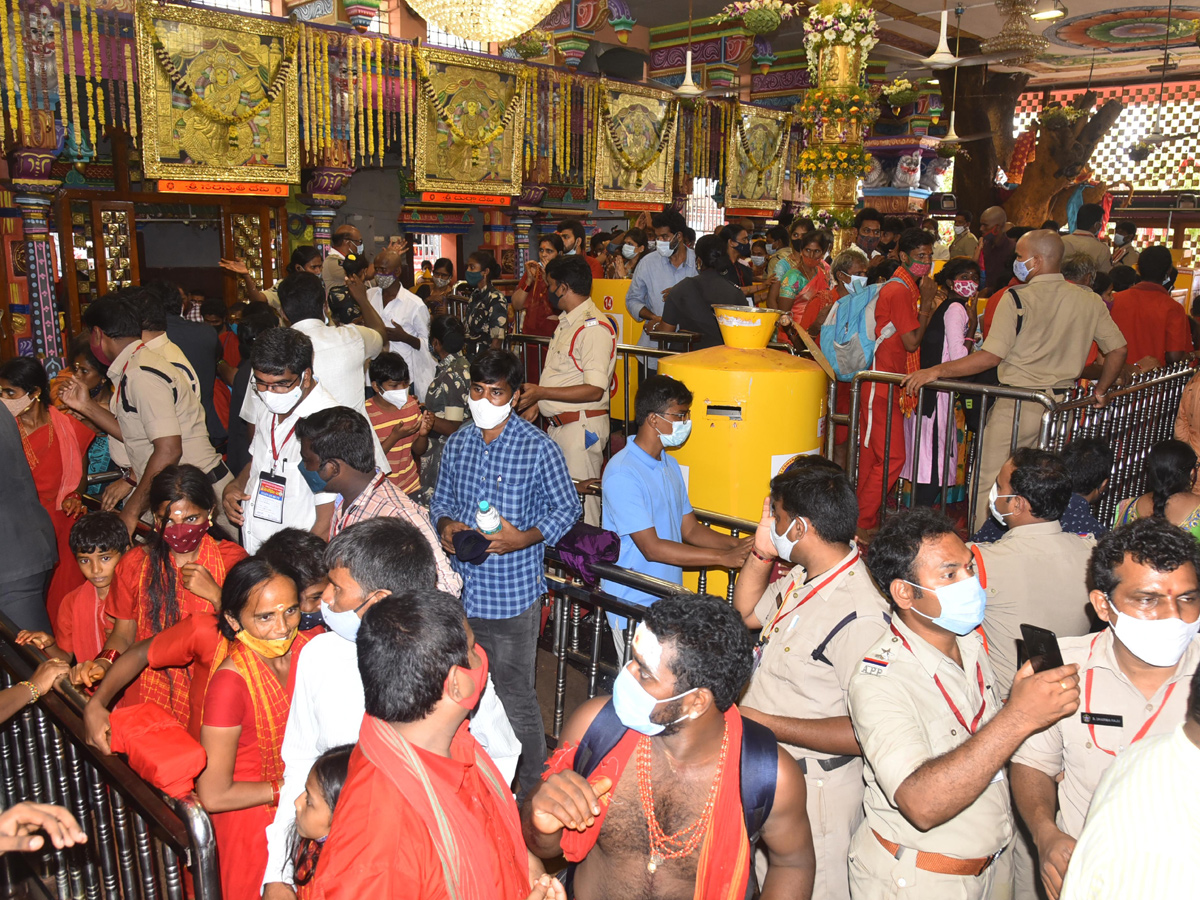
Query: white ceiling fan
x=688 y=89
x=941 y=58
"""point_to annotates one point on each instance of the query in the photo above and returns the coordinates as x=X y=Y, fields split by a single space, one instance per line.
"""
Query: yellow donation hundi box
x=754 y=411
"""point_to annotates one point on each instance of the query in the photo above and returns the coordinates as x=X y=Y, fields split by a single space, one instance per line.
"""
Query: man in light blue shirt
x=646 y=500
x=670 y=263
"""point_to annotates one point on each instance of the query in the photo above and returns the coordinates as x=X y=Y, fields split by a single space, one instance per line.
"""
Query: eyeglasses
x=683 y=416
x=277 y=387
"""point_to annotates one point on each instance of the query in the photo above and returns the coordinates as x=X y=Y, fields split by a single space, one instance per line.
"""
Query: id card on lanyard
x=268 y=499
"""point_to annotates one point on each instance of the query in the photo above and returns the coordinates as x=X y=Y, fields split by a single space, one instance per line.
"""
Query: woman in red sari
x=179 y=571
x=530 y=296
x=56 y=447
x=245 y=711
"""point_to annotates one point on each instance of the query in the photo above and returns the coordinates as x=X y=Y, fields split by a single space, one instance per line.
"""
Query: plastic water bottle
x=487 y=518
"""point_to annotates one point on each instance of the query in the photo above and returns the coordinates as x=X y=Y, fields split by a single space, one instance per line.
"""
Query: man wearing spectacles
x=272 y=493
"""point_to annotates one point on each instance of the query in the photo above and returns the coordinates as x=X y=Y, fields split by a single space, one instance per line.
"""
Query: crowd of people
x=318 y=569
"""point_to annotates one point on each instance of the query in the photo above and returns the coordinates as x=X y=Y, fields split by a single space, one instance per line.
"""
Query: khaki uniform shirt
x=1060 y=321
x=170 y=351
x=332 y=273
x=152 y=399
x=591 y=360
x=1068 y=746
x=809 y=655
x=1035 y=575
x=1086 y=242
x=902 y=721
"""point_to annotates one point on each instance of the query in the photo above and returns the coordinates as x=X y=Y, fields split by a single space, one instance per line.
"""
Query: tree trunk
x=1061 y=155
x=983 y=106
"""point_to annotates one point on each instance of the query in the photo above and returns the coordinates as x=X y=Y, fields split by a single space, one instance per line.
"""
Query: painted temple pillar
x=522 y=224
x=33 y=192
x=322 y=198
x=499 y=237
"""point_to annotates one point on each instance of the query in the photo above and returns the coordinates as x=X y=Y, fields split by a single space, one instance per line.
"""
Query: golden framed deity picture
x=635 y=152
x=470 y=130
x=219 y=95
x=755 y=153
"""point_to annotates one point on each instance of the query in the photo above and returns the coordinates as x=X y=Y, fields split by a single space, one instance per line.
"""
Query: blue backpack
x=848 y=337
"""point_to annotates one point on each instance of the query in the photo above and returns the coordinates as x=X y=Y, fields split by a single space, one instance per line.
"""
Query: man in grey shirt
x=26 y=535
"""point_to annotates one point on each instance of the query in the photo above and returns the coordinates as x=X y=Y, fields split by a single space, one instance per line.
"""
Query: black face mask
x=887 y=246
x=743 y=249
x=310 y=620
x=553 y=298
x=798 y=245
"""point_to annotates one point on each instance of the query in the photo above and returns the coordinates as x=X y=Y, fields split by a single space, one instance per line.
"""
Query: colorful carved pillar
x=33 y=190
x=522 y=224
x=499 y=238
x=322 y=198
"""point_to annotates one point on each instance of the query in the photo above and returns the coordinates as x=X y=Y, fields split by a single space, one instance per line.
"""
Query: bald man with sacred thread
x=1040 y=338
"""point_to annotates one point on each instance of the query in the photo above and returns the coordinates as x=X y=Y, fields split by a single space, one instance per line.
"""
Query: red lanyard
x=953 y=708
x=125 y=368
x=1087 y=705
x=275 y=453
x=825 y=583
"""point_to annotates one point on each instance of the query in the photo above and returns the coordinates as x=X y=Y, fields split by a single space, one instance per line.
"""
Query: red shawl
x=71 y=453
x=724 y=866
x=912 y=362
x=468 y=856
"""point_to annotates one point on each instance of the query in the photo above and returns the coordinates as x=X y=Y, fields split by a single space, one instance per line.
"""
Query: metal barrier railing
x=1136 y=416
x=139 y=841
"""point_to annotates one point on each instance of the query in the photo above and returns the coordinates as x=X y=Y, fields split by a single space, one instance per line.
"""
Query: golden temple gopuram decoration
x=219 y=95
x=470 y=128
x=635 y=158
x=756 y=150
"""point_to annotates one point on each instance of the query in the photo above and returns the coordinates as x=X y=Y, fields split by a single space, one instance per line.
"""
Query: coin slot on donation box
x=734 y=413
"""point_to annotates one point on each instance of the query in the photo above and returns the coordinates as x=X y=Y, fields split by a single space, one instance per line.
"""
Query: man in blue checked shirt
x=520 y=472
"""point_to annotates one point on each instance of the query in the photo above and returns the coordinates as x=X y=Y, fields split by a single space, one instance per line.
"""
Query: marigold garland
x=64 y=100
x=98 y=73
x=196 y=101
x=379 y=97
x=133 y=123
x=88 y=69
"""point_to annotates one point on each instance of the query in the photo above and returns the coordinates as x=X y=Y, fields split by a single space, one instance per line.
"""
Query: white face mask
x=770 y=249
x=960 y=229
x=629 y=251
x=441 y=280
x=281 y=404
x=1156 y=642
x=680 y=431
x=663 y=247
x=857 y=283
x=783 y=546
x=487 y=415
x=994 y=495
x=397 y=397
x=634 y=704
x=758 y=260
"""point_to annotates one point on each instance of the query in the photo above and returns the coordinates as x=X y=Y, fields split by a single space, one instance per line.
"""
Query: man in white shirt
x=340 y=352
x=407 y=319
x=271 y=492
x=367 y=563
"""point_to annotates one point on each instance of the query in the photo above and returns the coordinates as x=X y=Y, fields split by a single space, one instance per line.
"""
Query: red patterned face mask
x=183 y=537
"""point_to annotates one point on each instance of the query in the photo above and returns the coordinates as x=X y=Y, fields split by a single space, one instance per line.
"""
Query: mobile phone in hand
x=1041 y=648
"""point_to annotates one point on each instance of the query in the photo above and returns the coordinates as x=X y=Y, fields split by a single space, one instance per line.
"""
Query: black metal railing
x=140 y=842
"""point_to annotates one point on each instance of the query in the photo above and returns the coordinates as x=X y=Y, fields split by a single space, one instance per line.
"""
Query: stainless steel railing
x=140 y=842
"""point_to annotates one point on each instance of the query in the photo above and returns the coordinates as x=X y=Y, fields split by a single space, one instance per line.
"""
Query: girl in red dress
x=177 y=572
x=245 y=712
x=56 y=447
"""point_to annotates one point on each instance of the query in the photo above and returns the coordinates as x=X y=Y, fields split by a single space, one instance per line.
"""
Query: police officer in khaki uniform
x=1042 y=344
x=1134 y=677
x=574 y=389
x=817 y=624
x=153 y=409
x=1037 y=573
x=934 y=734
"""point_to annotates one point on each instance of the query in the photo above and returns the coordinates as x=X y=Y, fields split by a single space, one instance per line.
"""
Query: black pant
x=24 y=601
x=511 y=646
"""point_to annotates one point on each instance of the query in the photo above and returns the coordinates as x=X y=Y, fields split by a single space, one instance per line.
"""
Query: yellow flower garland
x=88 y=85
x=22 y=66
x=64 y=103
x=351 y=98
x=379 y=97
x=133 y=125
x=98 y=72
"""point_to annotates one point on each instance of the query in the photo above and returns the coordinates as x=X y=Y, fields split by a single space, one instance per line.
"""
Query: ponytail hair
x=1170 y=470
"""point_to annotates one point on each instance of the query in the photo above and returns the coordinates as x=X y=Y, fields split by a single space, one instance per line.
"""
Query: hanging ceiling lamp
x=1018 y=44
x=484 y=20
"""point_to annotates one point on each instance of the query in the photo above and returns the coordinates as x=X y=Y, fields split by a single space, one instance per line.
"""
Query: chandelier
x=1018 y=44
x=484 y=20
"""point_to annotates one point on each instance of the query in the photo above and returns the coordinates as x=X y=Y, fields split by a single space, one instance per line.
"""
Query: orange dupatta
x=271 y=700
x=170 y=688
x=723 y=869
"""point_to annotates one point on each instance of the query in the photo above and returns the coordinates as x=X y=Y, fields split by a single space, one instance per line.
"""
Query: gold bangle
x=32 y=690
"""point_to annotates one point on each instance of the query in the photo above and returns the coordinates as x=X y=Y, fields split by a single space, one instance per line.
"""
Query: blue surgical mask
x=1119 y=240
x=315 y=482
x=664 y=248
x=1021 y=270
x=679 y=433
x=634 y=705
x=963 y=604
x=629 y=251
x=758 y=260
x=473 y=278
x=310 y=620
x=344 y=624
